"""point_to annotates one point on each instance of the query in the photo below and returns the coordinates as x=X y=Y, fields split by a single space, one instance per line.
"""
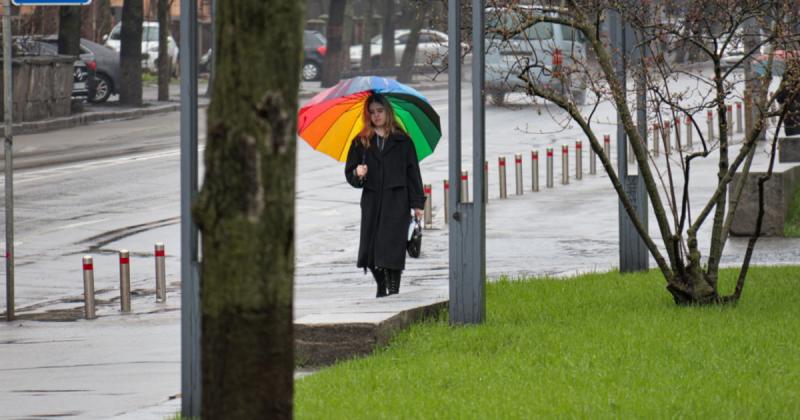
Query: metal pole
x=564 y=164
x=446 y=201
x=428 y=206
x=161 y=279
x=191 y=379
x=88 y=287
x=486 y=181
x=124 y=281
x=739 y=123
x=8 y=91
x=464 y=186
x=579 y=160
x=501 y=169
x=535 y=171
x=518 y=172
x=549 y=180
x=710 y=122
x=607 y=146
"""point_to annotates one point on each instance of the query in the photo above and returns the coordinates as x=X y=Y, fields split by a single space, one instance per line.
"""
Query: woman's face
x=377 y=115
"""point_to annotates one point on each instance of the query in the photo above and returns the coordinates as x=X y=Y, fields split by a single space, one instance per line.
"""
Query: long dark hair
x=365 y=136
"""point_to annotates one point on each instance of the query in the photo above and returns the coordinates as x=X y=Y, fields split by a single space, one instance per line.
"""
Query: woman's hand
x=361 y=171
x=418 y=213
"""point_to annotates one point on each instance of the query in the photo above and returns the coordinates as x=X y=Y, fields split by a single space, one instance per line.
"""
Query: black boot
x=380 y=280
x=393 y=281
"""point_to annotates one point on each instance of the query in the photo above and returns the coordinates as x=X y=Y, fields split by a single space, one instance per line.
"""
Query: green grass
x=596 y=346
x=792 y=226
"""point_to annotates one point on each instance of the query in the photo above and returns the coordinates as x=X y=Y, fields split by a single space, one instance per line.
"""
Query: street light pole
x=9 y=161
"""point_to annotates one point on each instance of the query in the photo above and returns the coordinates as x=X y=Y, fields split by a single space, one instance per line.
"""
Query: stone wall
x=778 y=194
x=42 y=87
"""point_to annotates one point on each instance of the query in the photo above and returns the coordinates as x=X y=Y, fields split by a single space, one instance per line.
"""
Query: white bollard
x=710 y=121
x=88 y=287
x=465 y=186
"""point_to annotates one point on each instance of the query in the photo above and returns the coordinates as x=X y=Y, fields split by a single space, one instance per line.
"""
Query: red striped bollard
x=518 y=173
x=428 y=212
x=465 y=186
x=564 y=164
x=535 y=171
x=739 y=118
x=710 y=122
x=161 y=281
x=549 y=167
x=446 y=188
x=88 y=287
x=729 y=120
x=501 y=169
x=578 y=160
x=124 y=280
x=607 y=146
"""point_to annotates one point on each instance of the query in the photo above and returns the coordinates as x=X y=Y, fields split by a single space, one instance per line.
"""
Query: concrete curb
x=92 y=117
x=326 y=344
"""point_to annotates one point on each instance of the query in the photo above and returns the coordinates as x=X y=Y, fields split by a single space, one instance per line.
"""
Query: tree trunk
x=69 y=30
x=387 y=48
x=245 y=212
x=408 y=60
x=366 y=44
x=164 y=70
x=332 y=64
x=130 y=56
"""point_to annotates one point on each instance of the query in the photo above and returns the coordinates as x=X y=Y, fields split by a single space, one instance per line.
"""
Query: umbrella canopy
x=332 y=118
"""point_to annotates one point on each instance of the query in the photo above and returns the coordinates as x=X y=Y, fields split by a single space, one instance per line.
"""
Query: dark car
x=83 y=76
x=313 y=54
x=107 y=74
x=314 y=48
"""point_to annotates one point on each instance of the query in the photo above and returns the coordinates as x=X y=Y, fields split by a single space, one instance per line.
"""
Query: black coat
x=392 y=187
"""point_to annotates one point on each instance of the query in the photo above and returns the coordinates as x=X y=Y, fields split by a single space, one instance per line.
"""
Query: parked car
x=431 y=49
x=83 y=72
x=314 y=48
x=106 y=74
x=543 y=49
x=149 y=45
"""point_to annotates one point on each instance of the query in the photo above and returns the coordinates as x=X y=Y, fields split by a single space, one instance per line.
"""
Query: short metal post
x=549 y=167
x=124 y=281
x=667 y=138
x=689 y=130
x=501 y=170
x=428 y=212
x=579 y=160
x=485 y=181
x=607 y=146
x=535 y=171
x=564 y=164
x=592 y=161
x=465 y=186
x=518 y=171
x=729 y=120
x=657 y=134
x=88 y=287
x=739 y=122
x=161 y=281
x=710 y=122
x=446 y=201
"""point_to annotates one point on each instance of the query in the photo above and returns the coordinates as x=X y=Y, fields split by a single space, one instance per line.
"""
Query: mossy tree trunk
x=245 y=211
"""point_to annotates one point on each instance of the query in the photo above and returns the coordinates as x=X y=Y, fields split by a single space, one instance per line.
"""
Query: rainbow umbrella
x=332 y=118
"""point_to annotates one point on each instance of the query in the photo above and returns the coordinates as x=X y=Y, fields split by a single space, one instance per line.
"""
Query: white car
x=149 y=45
x=431 y=50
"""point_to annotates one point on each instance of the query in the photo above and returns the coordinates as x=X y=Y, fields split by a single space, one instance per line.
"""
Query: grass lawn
x=596 y=346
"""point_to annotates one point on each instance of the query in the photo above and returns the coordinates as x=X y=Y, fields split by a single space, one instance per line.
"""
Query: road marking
x=90 y=222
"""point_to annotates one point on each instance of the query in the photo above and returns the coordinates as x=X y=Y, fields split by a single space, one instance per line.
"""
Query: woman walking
x=382 y=161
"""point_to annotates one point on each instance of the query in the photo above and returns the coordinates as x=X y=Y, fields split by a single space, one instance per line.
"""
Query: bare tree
x=245 y=212
x=69 y=30
x=163 y=62
x=130 y=55
x=408 y=60
x=543 y=69
x=333 y=63
x=387 y=42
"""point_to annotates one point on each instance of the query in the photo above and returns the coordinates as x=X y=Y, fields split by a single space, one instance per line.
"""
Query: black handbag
x=414 y=245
